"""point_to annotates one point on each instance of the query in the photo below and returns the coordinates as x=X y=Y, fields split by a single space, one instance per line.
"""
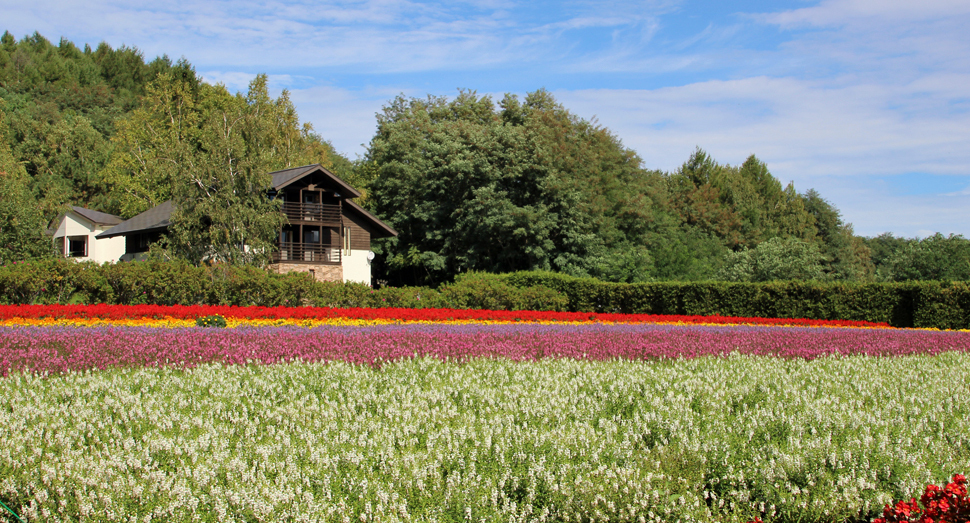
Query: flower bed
x=703 y=440
x=185 y=315
x=62 y=349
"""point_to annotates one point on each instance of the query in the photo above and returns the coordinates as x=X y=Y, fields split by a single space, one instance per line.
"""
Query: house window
x=77 y=246
x=346 y=241
x=141 y=242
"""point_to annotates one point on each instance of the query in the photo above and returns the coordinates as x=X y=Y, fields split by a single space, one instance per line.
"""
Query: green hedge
x=925 y=304
x=944 y=305
x=169 y=283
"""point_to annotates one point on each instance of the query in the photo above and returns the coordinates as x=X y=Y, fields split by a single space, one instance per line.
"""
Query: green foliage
x=935 y=257
x=528 y=186
x=775 y=259
x=22 y=223
x=210 y=152
x=488 y=291
x=944 y=305
x=846 y=256
x=474 y=186
x=214 y=321
x=62 y=104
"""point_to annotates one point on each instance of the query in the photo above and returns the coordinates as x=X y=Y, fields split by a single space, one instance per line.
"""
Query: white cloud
x=846 y=12
x=369 y=36
x=808 y=127
x=344 y=117
x=806 y=131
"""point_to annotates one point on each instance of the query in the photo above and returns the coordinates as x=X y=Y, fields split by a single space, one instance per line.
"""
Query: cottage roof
x=154 y=219
x=287 y=176
x=96 y=217
x=381 y=229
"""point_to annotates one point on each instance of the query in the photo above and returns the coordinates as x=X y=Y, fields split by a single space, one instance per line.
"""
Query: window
x=77 y=246
x=141 y=242
x=346 y=241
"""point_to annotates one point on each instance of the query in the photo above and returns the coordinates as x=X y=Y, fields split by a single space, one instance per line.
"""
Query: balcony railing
x=312 y=212
x=315 y=253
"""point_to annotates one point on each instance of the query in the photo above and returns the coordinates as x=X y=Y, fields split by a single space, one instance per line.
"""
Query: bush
x=211 y=321
x=489 y=291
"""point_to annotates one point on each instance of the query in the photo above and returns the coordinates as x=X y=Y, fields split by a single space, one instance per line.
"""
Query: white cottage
x=76 y=236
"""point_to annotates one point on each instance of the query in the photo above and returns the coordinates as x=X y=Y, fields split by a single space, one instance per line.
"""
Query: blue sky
x=866 y=101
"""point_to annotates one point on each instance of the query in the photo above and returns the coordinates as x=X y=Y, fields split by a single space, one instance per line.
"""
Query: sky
x=866 y=101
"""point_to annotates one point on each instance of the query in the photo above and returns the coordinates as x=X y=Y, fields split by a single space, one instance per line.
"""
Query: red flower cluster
x=120 y=312
x=948 y=504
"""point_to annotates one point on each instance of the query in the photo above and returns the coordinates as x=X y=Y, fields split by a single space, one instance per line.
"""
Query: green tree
x=935 y=257
x=62 y=104
x=846 y=255
x=22 y=223
x=774 y=259
x=523 y=185
x=210 y=152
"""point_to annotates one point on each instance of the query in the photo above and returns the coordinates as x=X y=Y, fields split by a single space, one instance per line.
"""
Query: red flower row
x=940 y=504
x=121 y=312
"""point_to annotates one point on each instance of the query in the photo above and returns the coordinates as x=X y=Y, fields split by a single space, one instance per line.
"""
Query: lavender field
x=478 y=423
x=63 y=349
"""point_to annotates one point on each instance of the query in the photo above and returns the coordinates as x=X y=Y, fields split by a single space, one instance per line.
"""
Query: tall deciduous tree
x=522 y=185
x=210 y=152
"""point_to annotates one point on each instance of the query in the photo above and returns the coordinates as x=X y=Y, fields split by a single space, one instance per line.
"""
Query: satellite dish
x=370 y=255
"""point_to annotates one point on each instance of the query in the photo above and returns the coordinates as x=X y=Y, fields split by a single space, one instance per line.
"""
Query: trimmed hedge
x=943 y=305
x=171 y=283
x=922 y=304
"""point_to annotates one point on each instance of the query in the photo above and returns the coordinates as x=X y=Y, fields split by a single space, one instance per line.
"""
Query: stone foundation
x=320 y=272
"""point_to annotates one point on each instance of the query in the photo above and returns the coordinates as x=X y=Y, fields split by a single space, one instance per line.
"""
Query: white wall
x=106 y=250
x=356 y=266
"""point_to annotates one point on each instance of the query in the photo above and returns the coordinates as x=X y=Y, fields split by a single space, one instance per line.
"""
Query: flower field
x=136 y=415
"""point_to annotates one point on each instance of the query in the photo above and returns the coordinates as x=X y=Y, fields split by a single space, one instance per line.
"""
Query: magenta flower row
x=64 y=349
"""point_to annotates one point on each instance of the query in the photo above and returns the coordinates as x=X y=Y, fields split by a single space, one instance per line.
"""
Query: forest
x=470 y=183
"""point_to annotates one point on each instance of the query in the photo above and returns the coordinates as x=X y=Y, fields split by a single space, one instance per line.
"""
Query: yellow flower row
x=171 y=323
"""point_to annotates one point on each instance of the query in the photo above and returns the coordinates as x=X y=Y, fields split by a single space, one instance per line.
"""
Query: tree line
x=471 y=184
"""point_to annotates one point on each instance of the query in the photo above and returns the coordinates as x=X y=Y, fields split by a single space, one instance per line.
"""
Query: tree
x=846 y=255
x=774 y=259
x=524 y=185
x=22 y=223
x=210 y=152
x=935 y=257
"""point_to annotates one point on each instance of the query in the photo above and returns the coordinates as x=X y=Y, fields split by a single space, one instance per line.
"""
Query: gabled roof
x=154 y=219
x=96 y=217
x=382 y=229
x=287 y=176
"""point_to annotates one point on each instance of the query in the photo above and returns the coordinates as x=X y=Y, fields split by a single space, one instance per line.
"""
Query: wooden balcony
x=309 y=253
x=316 y=213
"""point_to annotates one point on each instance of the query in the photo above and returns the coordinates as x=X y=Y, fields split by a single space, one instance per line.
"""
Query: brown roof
x=287 y=176
x=96 y=217
x=154 y=219
x=381 y=229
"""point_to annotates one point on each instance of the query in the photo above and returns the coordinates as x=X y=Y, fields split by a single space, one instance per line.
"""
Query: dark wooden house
x=327 y=234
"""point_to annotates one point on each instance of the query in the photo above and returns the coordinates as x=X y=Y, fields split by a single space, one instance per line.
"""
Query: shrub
x=211 y=321
x=489 y=291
